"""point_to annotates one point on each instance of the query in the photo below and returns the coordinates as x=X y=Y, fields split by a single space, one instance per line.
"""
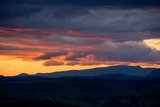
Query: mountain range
x=112 y=72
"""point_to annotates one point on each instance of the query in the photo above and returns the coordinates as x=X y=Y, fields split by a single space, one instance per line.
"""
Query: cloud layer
x=74 y=48
x=86 y=32
x=96 y=20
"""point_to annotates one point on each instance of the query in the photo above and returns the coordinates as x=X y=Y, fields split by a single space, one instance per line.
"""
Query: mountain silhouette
x=23 y=74
x=118 y=76
x=120 y=69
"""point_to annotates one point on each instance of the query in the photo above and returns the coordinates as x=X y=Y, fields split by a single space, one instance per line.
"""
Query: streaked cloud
x=80 y=32
x=76 y=47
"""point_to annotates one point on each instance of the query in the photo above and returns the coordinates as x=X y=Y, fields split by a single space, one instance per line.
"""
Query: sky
x=40 y=36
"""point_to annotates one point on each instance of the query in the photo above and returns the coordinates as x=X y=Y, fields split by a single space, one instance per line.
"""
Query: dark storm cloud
x=13 y=11
x=131 y=51
x=81 y=15
x=117 y=20
x=133 y=36
x=90 y=20
x=70 y=38
x=49 y=55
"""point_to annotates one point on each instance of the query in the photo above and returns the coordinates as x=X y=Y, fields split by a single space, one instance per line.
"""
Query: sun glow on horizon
x=15 y=67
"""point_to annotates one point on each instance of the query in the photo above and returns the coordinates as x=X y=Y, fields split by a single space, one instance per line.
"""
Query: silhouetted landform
x=154 y=74
x=108 y=90
x=79 y=91
x=121 y=69
x=23 y=74
x=44 y=103
x=118 y=76
x=132 y=101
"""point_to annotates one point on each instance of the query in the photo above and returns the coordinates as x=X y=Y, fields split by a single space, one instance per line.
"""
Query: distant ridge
x=112 y=72
x=118 y=76
x=23 y=74
x=120 y=69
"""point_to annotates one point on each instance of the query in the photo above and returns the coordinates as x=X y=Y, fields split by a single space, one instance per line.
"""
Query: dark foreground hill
x=34 y=91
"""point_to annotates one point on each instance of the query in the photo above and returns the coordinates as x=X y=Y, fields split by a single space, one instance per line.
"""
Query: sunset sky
x=40 y=36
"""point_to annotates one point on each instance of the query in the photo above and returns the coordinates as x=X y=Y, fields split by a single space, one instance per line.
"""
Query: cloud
x=12 y=47
x=49 y=55
x=80 y=47
x=117 y=20
x=81 y=32
x=72 y=63
x=70 y=39
x=7 y=47
x=75 y=56
x=130 y=51
x=117 y=24
x=52 y=37
x=52 y=63
x=99 y=20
